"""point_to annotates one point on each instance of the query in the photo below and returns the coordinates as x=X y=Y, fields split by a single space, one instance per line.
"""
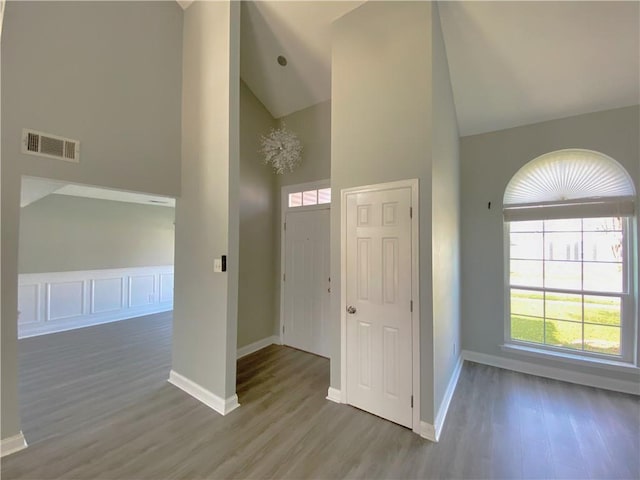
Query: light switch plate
x=217 y=265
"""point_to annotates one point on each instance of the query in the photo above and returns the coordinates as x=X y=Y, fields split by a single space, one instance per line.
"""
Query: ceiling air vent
x=52 y=146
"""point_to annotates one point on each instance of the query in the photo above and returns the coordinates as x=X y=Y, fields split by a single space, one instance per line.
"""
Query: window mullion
x=582 y=275
x=544 y=285
x=627 y=344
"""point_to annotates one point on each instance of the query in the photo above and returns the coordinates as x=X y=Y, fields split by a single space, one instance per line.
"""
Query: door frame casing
x=284 y=209
x=413 y=185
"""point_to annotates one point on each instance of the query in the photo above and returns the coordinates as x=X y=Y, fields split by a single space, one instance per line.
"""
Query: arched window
x=568 y=245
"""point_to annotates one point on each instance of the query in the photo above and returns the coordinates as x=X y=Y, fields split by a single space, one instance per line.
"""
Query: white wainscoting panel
x=58 y=301
x=106 y=294
x=166 y=287
x=141 y=290
x=29 y=303
x=64 y=300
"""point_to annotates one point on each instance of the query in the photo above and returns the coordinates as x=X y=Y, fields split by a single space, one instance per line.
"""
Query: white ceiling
x=301 y=32
x=33 y=189
x=511 y=63
x=517 y=63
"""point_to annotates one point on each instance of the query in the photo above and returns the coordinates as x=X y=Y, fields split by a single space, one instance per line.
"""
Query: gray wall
x=446 y=221
x=313 y=127
x=107 y=74
x=60 y=233
x=381 y=132
x=258 y=226
x=207 y=213
x=488 y=163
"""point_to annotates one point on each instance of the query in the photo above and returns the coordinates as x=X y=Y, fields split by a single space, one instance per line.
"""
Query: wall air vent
x=52 y=146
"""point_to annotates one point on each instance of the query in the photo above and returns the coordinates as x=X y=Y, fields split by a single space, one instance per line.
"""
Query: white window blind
x=569 y=184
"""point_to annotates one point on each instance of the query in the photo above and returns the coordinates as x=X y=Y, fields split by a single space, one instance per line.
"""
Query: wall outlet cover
x=217 y=265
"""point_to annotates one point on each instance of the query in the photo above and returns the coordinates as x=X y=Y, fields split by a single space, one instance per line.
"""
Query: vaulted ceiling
x=511 y=63
x=516 y=63
x=299 y=31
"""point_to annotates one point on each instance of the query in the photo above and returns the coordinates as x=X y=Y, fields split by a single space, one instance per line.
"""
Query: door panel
x=364 y=347
x=363 y=270
x=306 y=286
x=378 y=286
x=390 y=346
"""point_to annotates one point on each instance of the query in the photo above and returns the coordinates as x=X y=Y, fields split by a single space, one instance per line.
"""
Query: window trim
x=583 y=208
x=628 y=329
x=302 y=187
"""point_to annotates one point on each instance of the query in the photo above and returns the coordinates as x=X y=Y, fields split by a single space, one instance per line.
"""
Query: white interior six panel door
x=378 y=300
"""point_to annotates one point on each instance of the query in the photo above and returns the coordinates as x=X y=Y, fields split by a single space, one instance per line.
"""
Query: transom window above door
x=305 y=198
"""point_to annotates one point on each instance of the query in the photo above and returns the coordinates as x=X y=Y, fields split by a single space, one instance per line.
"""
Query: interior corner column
x=207 y=215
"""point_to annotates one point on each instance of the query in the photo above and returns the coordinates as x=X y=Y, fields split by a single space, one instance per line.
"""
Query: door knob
x=351 y=309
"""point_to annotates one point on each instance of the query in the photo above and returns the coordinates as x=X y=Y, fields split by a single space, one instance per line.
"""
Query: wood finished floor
x=96 y=404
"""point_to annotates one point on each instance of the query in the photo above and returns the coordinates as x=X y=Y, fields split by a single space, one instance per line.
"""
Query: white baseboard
x=334 y=395
x=428 y=431
x=210 y=399
x=553 y=372
x=432 y=432
x=259 y=345
x=12 y=444
x=448 y=395
x=36 y=330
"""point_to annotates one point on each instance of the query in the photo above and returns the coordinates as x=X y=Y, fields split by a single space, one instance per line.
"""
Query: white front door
x=306 y=281
x=378 y=300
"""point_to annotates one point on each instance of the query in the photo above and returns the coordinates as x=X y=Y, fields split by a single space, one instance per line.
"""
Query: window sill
x=571 y=358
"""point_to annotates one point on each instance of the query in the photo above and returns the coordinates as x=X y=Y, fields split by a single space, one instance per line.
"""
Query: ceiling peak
x=184 y=3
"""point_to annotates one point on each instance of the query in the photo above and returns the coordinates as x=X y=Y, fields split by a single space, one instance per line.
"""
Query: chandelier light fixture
x=281 y=149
